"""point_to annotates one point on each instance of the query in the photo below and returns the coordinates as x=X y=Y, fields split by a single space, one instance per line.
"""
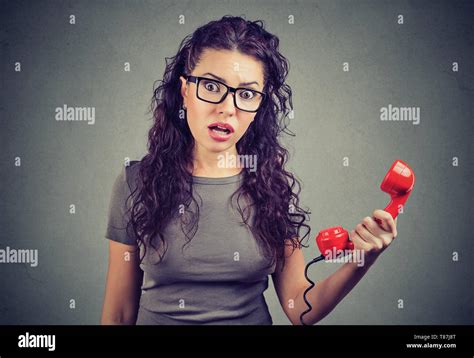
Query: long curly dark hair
x=164 y=176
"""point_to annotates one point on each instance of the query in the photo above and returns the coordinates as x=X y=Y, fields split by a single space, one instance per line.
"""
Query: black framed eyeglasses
x=213 y=91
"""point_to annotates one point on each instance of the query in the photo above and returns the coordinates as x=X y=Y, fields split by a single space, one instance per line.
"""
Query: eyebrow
x=223 y=80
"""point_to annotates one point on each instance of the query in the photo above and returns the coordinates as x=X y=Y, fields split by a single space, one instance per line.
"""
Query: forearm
x=326 y=294
x=118 y=319
x=113 y=314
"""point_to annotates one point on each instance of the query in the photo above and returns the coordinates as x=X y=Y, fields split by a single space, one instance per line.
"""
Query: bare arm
x=368 y=237
x=327 y=294
x=291 y=283
x=123 y=285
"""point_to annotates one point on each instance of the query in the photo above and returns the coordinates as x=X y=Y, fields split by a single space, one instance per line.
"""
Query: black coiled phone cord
x=319 y=258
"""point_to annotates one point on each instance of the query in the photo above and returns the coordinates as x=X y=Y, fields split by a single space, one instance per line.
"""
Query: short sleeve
x=119 y=211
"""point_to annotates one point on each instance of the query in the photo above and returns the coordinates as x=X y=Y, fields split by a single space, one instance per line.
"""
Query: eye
x=211 y=86
x=247 y=94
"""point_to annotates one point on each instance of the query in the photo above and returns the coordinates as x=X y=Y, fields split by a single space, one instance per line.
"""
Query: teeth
x=219 y=130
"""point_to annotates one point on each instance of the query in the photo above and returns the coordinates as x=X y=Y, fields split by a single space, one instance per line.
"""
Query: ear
x=184 y=88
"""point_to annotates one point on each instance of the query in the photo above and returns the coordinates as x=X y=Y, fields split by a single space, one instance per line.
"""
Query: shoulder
x=126 y=180
x=130 y=174
x=120 y=204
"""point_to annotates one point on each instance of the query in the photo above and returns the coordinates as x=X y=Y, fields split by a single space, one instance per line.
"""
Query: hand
x=372 y=237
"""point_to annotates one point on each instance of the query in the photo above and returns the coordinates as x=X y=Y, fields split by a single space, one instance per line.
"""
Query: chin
x=217 y=148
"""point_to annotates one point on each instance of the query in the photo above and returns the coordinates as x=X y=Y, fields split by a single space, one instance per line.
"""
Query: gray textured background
x=336 y=115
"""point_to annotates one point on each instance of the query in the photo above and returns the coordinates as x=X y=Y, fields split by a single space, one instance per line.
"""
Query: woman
x=210 y=211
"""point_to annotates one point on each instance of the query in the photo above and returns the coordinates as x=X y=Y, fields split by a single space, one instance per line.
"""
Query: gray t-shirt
x=218 y=278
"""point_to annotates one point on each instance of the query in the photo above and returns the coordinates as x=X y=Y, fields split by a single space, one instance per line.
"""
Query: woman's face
x=233 y=68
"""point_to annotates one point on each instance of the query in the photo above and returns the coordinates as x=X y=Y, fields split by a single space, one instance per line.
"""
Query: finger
x=368 y=237
x=371 y=225
x=387 y=222
x=359 y=242
x=382 y=217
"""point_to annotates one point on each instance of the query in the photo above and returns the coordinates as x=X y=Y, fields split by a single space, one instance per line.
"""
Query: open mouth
x=219 y=129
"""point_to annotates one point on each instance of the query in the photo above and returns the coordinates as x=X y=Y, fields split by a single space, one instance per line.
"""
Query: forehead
x=233 y=66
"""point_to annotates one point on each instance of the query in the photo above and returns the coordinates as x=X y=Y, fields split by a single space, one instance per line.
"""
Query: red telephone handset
x=398 y=182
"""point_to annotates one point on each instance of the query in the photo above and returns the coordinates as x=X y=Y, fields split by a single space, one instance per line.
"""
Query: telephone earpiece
x=398 y=183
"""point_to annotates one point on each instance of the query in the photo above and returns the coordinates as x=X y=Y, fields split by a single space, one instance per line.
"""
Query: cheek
x=198 y=114
x=244 y=123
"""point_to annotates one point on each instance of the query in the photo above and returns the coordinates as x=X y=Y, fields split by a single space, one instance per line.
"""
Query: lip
x=219 y=137
x=221 y=124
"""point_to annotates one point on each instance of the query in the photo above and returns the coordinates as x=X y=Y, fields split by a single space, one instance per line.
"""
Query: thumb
x=385 y=221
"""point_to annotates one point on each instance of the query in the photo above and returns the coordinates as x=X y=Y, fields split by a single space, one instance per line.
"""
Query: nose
x=227 y=105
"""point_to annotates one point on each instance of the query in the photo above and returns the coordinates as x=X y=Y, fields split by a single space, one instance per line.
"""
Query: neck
x=209 y=164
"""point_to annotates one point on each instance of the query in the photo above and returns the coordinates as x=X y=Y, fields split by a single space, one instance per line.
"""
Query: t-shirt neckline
x=223 y=180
